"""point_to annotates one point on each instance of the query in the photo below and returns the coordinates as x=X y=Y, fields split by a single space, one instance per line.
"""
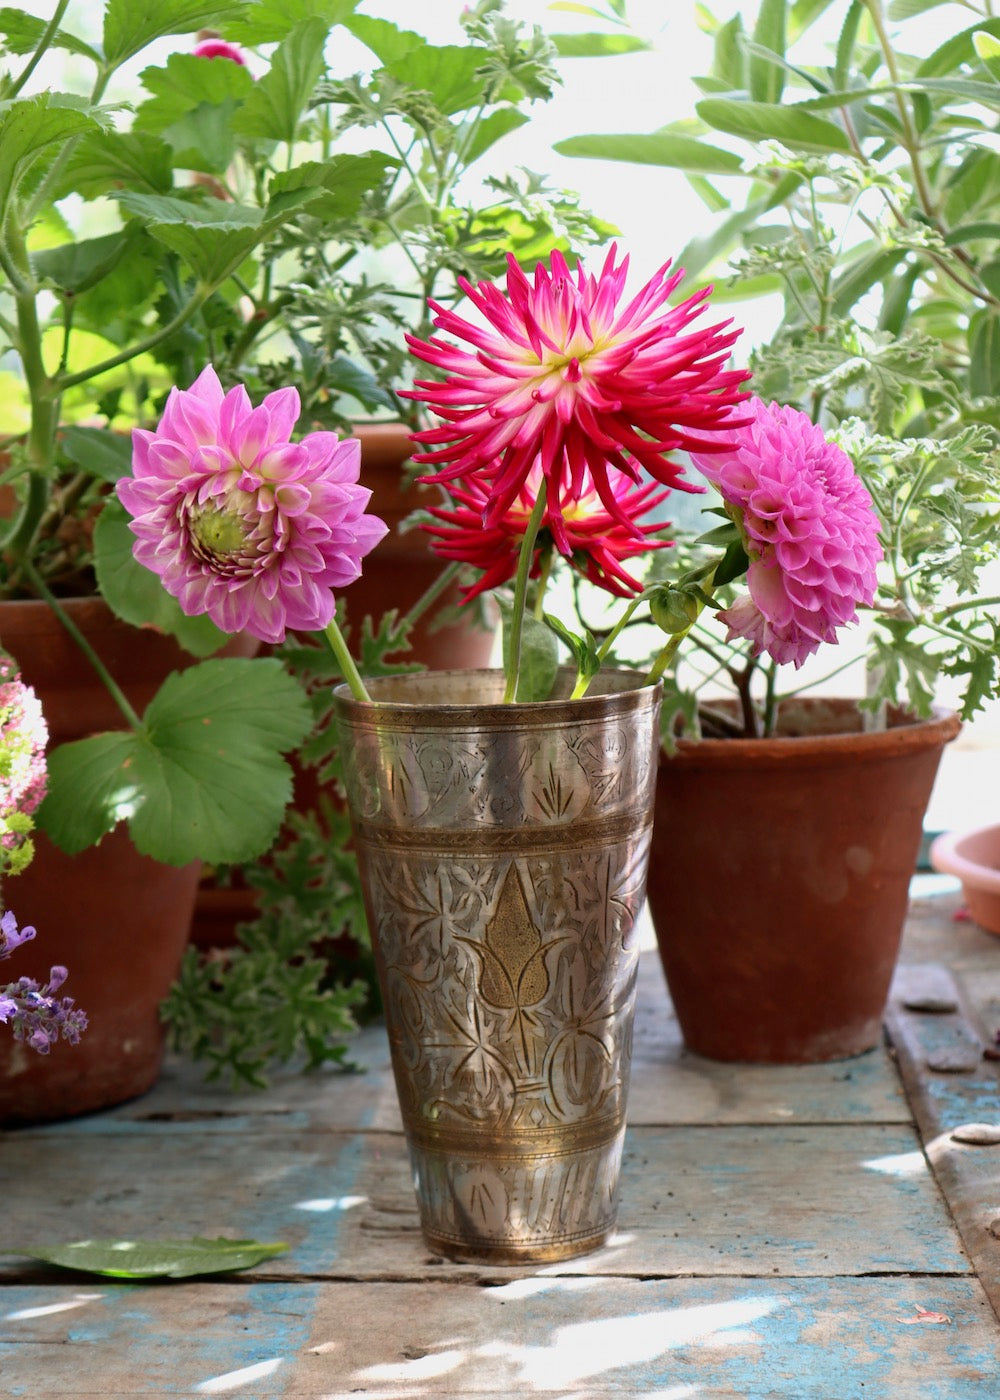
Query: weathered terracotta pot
x=118 y=920
x=779 y=880
x=402 y=566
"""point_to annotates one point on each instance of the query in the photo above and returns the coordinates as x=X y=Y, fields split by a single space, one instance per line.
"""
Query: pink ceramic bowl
x=974 y=856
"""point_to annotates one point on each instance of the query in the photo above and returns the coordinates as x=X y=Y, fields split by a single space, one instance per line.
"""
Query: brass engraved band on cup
x=601 y=831
x=562 y=1140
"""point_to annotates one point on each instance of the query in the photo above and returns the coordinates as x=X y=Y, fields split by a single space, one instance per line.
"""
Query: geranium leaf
x=157 y=1258
x=203 y=779
x=29 y=131
x=270 y=21
x=73 y=267
x=273 y=110
x=134 y=593
x=596 y=45
x=21 y=33
x=129 y=27
x=99 y=451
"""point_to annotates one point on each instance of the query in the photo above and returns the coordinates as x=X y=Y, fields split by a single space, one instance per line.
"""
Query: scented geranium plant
x=847 y=155
x=211 y=188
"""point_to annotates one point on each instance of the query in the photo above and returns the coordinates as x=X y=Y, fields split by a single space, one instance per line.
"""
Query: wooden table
x=780 y=1231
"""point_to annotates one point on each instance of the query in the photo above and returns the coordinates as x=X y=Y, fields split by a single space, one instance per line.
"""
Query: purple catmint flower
x=10 y=936
x=34 y=1013
x=240 y=522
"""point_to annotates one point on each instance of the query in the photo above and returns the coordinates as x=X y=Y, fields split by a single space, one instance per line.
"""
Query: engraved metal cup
x=503 y=853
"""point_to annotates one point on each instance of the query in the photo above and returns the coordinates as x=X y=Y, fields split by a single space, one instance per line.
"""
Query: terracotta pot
x=118 y=920
x=403 y=566
x=974 y=856
x=779 y=880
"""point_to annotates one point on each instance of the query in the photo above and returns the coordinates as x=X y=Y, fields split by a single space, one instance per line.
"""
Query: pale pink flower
x=594 y=542
x=23 y=737
x=240 y=522
x=564 y=375
x=809 y=529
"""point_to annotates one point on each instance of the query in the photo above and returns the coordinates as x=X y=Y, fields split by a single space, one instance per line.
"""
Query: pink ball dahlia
x=219 y=48
x=809 y=529
x=593 y=540
x=564 y=375
x=240 y=522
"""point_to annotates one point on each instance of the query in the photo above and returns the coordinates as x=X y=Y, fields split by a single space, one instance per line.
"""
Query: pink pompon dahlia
x=219 y=48
x=593 y=540
x=809 y=529
x=562 y=374
x=240 y=522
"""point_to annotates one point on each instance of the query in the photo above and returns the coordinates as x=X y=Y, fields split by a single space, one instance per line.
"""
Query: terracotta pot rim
x=904 y=735
x=959 y=853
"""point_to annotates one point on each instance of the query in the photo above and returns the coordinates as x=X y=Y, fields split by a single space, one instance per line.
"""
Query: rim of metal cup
x=612 y=690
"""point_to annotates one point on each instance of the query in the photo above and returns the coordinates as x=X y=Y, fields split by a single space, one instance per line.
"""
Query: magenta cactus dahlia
x=809 y=529
x=564 y=375
x=594 y=541
x=240 y=522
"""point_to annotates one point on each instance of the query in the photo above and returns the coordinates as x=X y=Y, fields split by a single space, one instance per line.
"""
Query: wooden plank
x=805 y=1339
x=952 y=1086
x=668 y=1086
x=788 y=1200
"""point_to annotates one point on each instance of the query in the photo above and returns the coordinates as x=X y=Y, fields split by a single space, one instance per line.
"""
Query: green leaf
x=596 y=45
x=846 y=41
x=183 y=84
x=861 y=274
x=133 y=592
x=30 y=132
x=728 y=57
x=334 y=189
x=157 y=1258
x=386 y=40
x=956 y=50
x=449 y=73
x=489 y=131
x=984 y=353
x=213 y=236
x=102 y=453
x=906 y=9
x=767 y=80
x=583 y=649
x=106 y=161
x=129 y=27
x=987 y=48
x=202 y=780
x=656 y=148
x=21 y=33
x=278 y=101
x=73 y=267
x=763 y=121
x=270 y=21
x=539 y=656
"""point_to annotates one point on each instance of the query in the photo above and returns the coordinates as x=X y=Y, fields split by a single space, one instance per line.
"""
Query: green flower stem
x=44 y=42
x=335 y=641
x=524 y=562
x=432 y=593
x=618 y=628
x=964 y=605
x=67 y=381
x=111 y=685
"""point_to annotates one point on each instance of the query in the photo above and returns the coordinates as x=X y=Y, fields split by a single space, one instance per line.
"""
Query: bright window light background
x=657 y=213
